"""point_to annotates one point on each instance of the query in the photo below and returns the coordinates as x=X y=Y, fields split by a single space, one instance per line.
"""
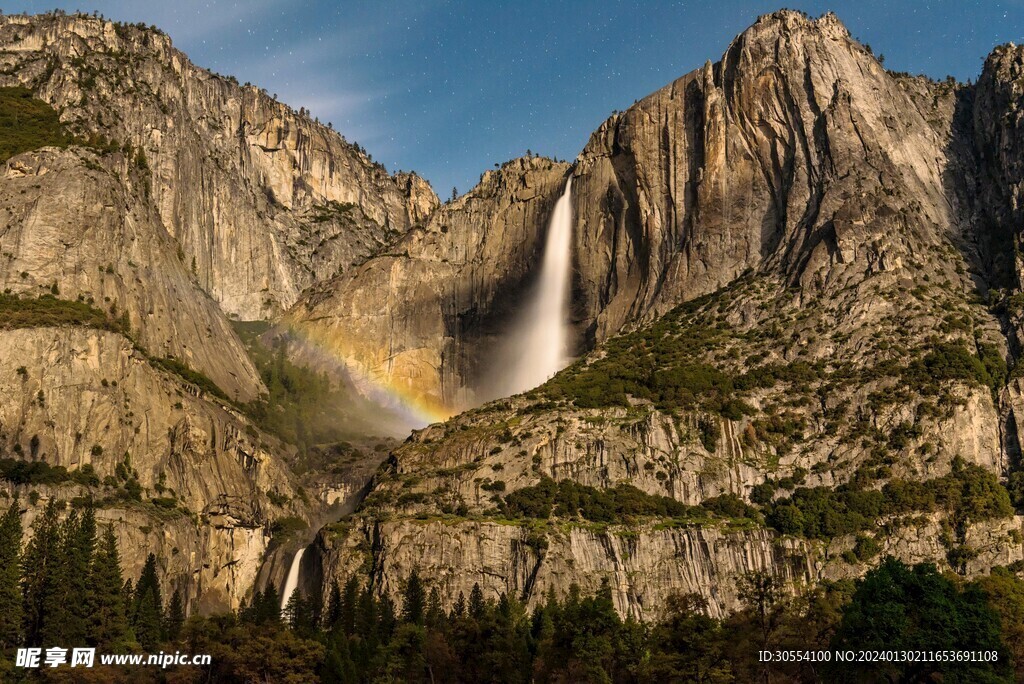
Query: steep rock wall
x=244 y=183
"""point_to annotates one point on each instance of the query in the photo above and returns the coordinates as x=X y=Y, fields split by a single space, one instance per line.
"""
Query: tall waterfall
x=538 y=345
x=292 y=582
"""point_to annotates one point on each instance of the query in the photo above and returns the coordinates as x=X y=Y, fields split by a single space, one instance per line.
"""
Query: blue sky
x=450 y=88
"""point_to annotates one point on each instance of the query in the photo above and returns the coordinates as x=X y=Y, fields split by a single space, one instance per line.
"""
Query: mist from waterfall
x=292 y=581
x=537 y=345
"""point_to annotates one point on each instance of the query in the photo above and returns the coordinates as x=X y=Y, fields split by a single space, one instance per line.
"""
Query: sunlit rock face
x=262 y=199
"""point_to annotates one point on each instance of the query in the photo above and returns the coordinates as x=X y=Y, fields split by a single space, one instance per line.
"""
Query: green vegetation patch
x=968 y=492
x=302 y=406
x=27 y=123
x=568 y=499
x=39 y=472
x=947 y=361
x=198 y=379
x=333 y=211
x=49 y=311
x=661 y=364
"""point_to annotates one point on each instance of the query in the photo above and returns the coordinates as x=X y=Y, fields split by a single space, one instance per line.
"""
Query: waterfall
x=292 y=582
x=537 y=347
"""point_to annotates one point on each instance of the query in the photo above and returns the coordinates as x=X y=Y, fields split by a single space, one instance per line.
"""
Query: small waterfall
x=538 y=345
x=292 y=582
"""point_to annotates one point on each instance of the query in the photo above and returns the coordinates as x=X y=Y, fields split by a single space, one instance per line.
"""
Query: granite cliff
x=792 y=273
x=796 y=303
x=176 y=200
x=449 y=289
x=262 y=199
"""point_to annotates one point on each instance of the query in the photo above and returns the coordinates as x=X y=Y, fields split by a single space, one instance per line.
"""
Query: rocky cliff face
x=791 y=271
x=770 y=158
x=88 y=400
x=419 y=319
x=189 y=197
x=644 y=565
x=821 y=218
x=263 y=200
x=79 y=225
x=795 y=153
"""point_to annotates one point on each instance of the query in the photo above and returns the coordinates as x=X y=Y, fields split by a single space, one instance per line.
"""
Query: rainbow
x=322 y=347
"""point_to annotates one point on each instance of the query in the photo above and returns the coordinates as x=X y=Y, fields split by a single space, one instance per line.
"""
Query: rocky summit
x=796 y=318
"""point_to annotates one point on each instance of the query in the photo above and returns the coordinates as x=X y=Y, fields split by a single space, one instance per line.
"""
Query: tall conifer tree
x=10 y=575
x=414 y=599
x=38 y=571
x=147 y=606
x=108 y=620
x=175 y=616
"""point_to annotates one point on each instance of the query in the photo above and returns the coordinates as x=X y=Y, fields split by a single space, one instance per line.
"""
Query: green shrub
x=568 y=499
x=730 y=506
x=302 y=407
x=49 y=311
x=27 y=123
x=196 y=378
x=287 y=526
x=968 y=493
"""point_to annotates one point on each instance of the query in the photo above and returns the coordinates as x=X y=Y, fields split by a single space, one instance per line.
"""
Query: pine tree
x=414 y=600
x=251 y=613
x=333 y=617
x=147 y=606
x=338 y=665
x=300 y=615
x=477 y=606
x=79 y=546
x=349 y=605
x=38 y=567
x=294 y=608
x=108 y=621
x=175 y=616
x=146 y=619
x=10 y=573
x=459 y=608
x=366 y=615
x=435 y=617
x=55 y=601
x=128 y=597
x=270 y=612
x=386 y=618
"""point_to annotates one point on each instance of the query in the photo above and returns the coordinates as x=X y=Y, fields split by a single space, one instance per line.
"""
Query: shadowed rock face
x=994 y=117
x=262 y=200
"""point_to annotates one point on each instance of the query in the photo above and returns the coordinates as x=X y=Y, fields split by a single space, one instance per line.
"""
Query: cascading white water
x=538 y=345
x=292 y=582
